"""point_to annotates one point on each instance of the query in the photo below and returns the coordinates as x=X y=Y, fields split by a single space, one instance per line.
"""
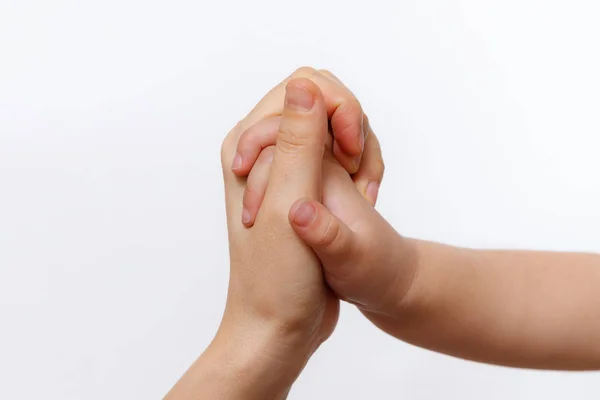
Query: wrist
x=249 y=367
x=398 y=270
x=262 y=360
x=410 y=261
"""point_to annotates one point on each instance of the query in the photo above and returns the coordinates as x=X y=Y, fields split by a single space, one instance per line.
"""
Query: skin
x=514 y=308
x=312 y=238
x=279 y=309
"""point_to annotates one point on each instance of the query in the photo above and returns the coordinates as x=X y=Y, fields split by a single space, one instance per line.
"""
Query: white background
x=113 y=252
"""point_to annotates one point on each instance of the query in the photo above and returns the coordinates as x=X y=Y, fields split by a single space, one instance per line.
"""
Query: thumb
x=372 y=268
x=298 y=158
x=330 y=238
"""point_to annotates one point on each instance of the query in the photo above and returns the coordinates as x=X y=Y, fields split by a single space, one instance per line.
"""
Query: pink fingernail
x=246 y=218
x=372 y=192
x=305 y=215
x=237 y=161
x=298 y=98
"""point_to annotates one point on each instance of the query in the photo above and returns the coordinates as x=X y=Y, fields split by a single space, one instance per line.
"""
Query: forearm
x=515 y=308
x=240 y=368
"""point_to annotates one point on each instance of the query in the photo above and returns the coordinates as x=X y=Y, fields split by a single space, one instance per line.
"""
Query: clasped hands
x=302 y=174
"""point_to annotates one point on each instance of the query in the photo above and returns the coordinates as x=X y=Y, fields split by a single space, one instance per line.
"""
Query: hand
x=346 y=117
x=276 y=282
x=343 y=110
x=365 y=261
x=486 y=306
x=278 y=309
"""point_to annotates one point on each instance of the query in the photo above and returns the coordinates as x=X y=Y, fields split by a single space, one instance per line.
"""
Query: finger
x=350 y=164
x=355 y=262
x=270 y=105
x=326 y=234
x=346 y=119
x=257 y=186
x=328 y=74
x=343 y=109
x=262 y=134
x=252 y=142
x=370 y=174
x=300 y=145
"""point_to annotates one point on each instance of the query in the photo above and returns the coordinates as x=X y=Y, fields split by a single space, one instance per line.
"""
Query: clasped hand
x=301 y=221
x=302 y=173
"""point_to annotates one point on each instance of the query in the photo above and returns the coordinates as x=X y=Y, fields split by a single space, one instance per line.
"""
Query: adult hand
x=278 y=308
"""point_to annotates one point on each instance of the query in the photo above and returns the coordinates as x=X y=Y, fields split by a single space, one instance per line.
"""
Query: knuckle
x=379 y=167
x=291 y=141
x=303 y=71
x=331 y=76
x=244 y=139
x=267 y=154
x=350 y=107
x=366 y=121
x=228 y=146
x=251 y=197
x=356 y=104
x=328 y=74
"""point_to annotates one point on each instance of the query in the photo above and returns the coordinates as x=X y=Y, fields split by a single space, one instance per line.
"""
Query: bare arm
x=279 y=309
x=525 y=309
x=240 y=368
x=515 y=308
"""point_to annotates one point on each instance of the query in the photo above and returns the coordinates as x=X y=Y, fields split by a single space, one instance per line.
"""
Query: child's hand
x=515 y=308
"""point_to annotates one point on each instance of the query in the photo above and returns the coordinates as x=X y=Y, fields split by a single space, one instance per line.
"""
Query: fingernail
x=305 y=215
x=246 y=216
x=365 y=127
x=372 y=192
x=237 y=161
x=356 y=162
x=361 y=139
x=361 y=143
x=299 y=98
